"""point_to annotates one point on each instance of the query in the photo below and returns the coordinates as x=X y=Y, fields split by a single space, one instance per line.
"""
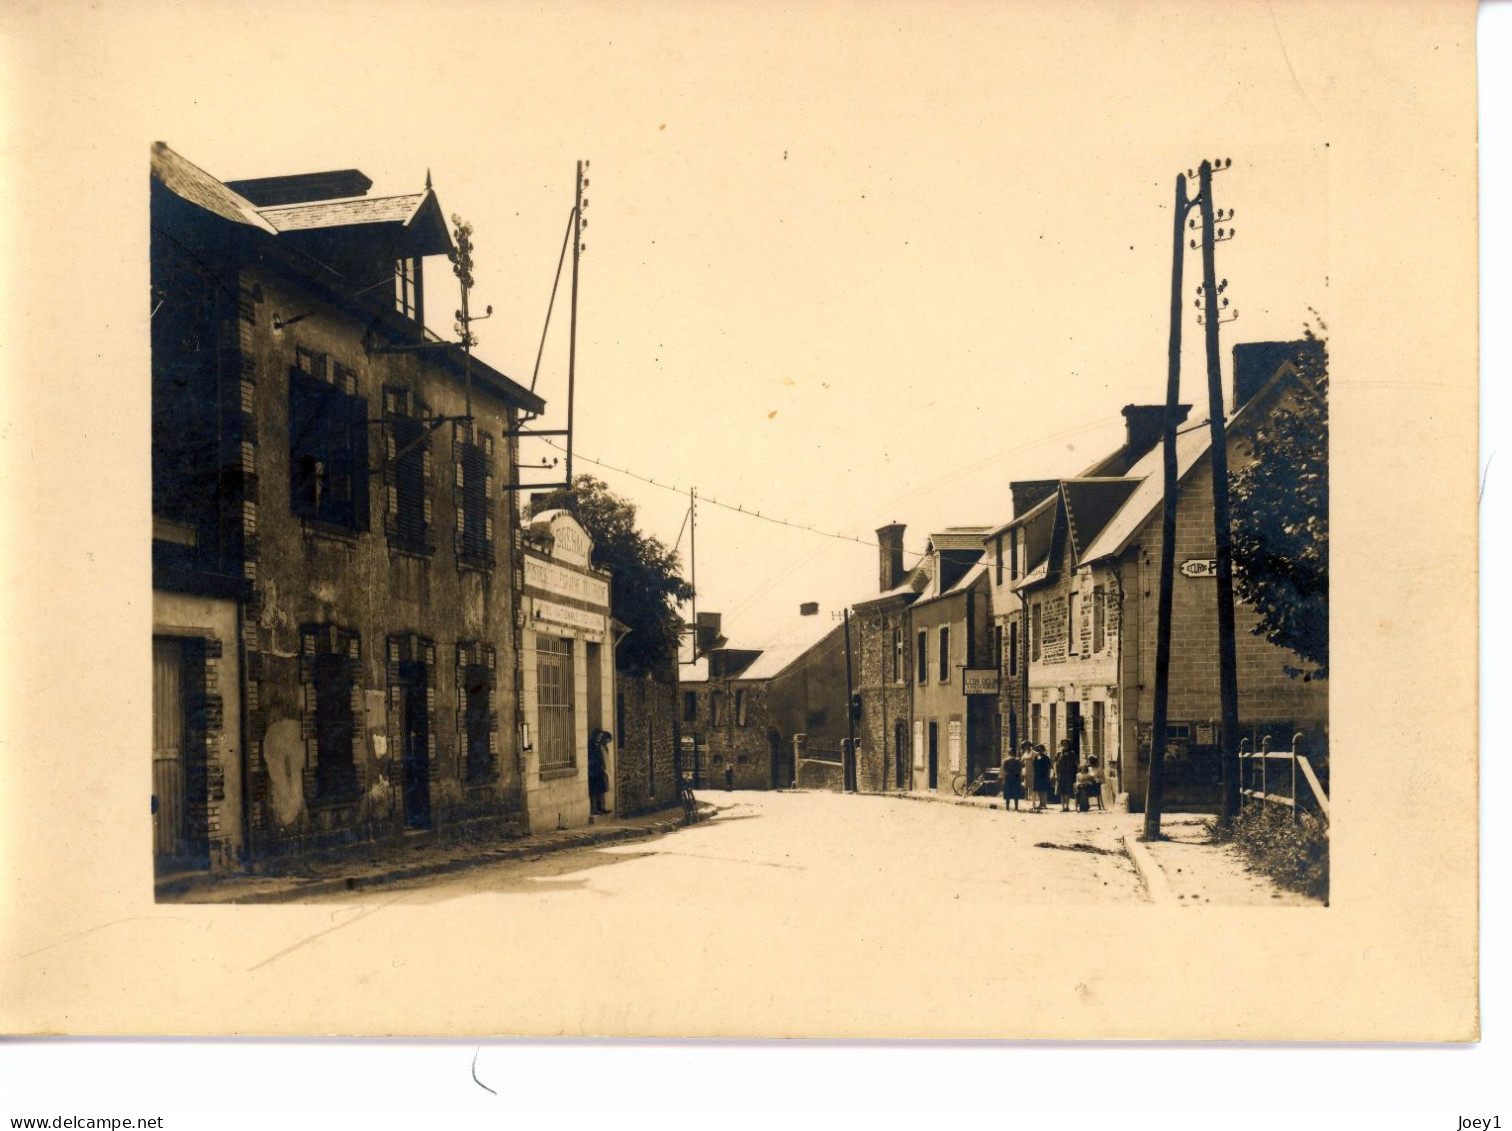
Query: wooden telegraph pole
x=1210 y=291
x=1155 y=783
x=1228 y=668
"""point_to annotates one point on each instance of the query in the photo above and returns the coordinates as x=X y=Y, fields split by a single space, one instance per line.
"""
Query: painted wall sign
x=1199 y=567
x=979 y=681
x=565 y=614
x=569 y=541
x=565 y=582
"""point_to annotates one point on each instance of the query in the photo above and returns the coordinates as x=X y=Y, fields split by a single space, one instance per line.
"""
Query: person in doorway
x=1041 y=778
x=1013 y=779
x=598 y=771
x=1065 y=774
x=729 y=776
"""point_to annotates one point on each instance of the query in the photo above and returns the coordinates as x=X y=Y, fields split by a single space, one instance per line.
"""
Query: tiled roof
x=963 y=583
x=959 y=538
x=185 y=179
x=343 y=213
x=1090 y=504
x=1191 y=445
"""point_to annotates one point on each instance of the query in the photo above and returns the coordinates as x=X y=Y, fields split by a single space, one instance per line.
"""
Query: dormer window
x=407 y=288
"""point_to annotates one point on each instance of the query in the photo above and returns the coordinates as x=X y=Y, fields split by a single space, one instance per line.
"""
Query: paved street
x=767 y=851
x=857 y=914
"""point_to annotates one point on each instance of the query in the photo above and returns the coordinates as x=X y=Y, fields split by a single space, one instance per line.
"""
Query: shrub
x=1293 y=853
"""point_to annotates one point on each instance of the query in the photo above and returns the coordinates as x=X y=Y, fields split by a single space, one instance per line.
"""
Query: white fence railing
x=1256 y=778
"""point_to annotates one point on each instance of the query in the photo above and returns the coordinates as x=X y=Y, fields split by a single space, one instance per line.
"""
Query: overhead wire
x=749 y=512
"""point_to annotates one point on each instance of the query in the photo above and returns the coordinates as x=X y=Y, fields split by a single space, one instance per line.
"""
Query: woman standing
x=598 y=772
x=1041 y=766
x=1013 y=779
x=1065 y=774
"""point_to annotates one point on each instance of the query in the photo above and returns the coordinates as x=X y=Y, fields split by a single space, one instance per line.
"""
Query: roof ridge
x=341 y=200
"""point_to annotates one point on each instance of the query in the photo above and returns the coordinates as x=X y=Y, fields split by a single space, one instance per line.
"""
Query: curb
x=936 y=799
x=296 y=890
x=1157 y=887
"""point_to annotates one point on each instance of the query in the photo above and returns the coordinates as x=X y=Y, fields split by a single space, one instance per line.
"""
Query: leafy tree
x=1279 y=505
x=648 y=582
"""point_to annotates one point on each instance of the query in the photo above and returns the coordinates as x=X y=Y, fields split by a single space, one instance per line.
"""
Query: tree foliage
x=647 y=577
x=1279 y=505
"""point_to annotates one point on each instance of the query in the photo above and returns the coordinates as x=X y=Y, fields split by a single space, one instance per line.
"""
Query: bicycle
x=689 y=802
x=986 y=783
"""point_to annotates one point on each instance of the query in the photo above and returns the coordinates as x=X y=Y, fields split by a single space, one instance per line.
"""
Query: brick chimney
x=1029 y=493
x=1145 y=425
x=890 y=555
x=302 y=188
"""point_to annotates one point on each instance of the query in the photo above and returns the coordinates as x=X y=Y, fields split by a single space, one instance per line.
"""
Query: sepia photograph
x=709 y=521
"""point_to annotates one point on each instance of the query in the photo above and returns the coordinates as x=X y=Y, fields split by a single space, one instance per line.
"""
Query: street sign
x=979 y=681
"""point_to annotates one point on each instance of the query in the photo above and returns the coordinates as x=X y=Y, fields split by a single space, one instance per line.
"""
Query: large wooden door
x=169 y=818
x=934 y=755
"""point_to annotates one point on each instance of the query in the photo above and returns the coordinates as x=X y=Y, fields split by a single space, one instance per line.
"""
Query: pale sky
x=845 y=265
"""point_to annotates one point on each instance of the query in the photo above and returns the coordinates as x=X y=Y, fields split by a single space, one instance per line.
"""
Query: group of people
x=1031 y=770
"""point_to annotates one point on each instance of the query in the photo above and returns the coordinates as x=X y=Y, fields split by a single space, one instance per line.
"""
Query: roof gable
x=185 y=179
x=1089 y=504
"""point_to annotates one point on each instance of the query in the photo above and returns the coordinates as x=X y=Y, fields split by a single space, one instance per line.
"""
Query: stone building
x=1083 y=562
x=882 y=640
x=335 y=599
x=775 y=716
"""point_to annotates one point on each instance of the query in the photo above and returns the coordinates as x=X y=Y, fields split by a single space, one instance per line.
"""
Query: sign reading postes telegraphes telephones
x=1200 y=567
x=979 y=681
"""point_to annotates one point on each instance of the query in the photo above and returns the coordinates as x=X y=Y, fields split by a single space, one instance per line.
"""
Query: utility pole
x=1155 y=784
x=693 y=561
x=848 y=765
x=1210 y=299
x=578 y=223
x=1228 y=669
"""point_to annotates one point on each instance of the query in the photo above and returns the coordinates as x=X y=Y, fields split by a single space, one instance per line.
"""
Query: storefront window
x=554 y=702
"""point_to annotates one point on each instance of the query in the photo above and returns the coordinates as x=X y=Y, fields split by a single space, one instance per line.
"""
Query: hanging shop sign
x=979 y=681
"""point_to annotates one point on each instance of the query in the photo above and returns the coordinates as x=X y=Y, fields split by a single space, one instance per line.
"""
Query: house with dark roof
x=1081 y=564
x=335 y=604
x=771 y=717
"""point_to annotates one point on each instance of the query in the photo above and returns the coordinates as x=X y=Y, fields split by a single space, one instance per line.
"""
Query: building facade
x=884 y=670
x=773 y=717
x=335 y=610
x=954 y=724
x=1083 y=564
x=567 y=662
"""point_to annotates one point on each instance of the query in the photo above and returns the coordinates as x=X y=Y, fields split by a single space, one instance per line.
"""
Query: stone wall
x=646 y=741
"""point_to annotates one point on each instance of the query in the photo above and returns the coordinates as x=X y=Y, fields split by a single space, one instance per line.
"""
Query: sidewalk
x=403 y=862
x=1187 y=870
x=1184 y=870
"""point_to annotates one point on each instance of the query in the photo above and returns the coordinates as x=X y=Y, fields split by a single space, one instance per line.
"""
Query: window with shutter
x=407 y=472
x=477 y=684
x=473 y=495
x=327 y=451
